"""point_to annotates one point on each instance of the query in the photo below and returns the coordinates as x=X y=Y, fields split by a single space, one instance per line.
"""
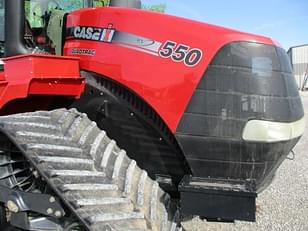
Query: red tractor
x=205 y=115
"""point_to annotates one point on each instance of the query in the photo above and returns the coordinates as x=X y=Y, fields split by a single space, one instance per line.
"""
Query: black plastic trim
x=136 y=127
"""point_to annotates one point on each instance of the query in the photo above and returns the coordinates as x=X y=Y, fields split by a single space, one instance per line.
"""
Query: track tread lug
x=95 y=177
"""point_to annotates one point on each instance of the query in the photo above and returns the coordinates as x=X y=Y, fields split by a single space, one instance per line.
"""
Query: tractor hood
x=229 y=97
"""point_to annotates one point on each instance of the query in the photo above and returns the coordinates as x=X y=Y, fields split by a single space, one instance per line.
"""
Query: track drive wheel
x=95 y=180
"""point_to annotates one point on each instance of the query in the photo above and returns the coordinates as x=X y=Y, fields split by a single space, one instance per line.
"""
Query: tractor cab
x=35 y=26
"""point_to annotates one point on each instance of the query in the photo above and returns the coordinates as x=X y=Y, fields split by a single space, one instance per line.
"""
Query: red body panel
x=28 y=75
x=164 y=84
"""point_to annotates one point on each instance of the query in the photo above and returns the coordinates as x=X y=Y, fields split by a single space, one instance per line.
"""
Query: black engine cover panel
x=245 y=81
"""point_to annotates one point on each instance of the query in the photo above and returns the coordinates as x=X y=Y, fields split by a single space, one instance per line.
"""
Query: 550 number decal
x=181 y=53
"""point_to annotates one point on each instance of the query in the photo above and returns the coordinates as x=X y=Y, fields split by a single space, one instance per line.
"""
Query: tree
x=100 y=3
x=158 y=8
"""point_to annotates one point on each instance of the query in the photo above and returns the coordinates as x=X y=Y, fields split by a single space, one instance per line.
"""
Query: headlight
x=267 y=131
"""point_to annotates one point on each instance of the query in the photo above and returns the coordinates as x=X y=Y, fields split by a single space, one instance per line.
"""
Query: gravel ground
x=284 y=204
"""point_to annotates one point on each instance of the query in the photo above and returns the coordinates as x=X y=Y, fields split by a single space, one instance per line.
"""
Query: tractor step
x=218 y=199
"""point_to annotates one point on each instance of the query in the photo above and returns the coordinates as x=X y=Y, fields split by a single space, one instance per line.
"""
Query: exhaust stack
x=126 y=3
x=14 y=28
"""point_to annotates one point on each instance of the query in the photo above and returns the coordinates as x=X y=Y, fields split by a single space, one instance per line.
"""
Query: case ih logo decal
x=175 y=51
x=95 y=34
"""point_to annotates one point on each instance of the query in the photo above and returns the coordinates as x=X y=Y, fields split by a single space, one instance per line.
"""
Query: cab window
x=2 y=20
x=37 y=11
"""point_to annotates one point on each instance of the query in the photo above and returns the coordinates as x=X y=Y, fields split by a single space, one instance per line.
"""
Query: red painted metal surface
x=165 y=84
x=30 y=75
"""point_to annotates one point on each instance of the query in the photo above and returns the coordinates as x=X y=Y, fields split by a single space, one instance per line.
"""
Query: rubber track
x=94 y=177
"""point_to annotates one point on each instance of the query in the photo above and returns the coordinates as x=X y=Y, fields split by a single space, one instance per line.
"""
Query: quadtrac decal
x=177 y=52
x=83 y=51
